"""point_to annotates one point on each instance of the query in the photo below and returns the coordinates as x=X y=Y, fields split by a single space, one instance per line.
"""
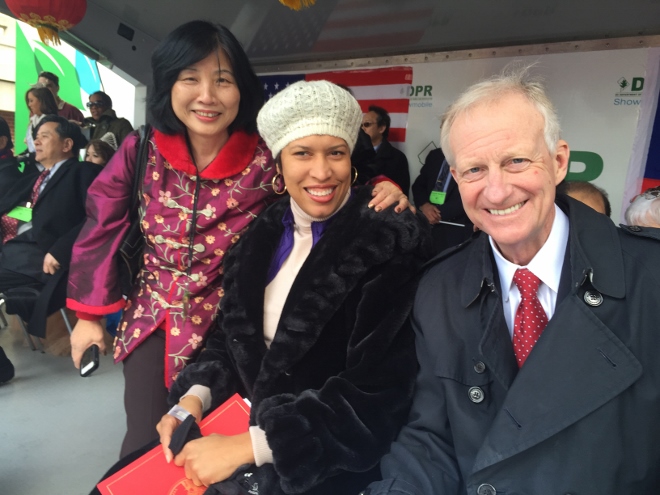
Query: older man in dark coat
x=537 y=340
x=41 y=216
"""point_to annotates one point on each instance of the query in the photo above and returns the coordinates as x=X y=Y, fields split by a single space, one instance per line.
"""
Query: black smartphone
x=89 y=361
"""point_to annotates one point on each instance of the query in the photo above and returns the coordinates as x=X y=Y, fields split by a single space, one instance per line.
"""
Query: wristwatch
x=179 y=413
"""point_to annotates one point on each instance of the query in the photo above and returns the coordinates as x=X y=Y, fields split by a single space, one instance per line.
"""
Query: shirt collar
x=546 y=264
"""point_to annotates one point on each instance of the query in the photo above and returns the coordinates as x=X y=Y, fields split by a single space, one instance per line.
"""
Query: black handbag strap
x=140 y=169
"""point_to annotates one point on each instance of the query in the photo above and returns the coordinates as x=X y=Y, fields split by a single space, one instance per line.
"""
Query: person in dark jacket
x=389 y=161
x=104 y=119
x=42 y=214
x=10 y=168
x=537 y=339
x=313 y=318
x=438 y=198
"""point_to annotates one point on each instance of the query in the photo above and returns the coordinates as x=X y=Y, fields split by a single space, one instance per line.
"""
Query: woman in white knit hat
x=314 y=326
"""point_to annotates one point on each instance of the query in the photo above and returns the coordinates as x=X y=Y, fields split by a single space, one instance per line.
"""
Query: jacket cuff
x=262 y=452
x=95 y=310
x=382 y=178
x=203 y=393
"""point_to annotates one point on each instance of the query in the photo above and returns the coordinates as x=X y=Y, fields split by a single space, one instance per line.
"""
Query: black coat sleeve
x=423 y=185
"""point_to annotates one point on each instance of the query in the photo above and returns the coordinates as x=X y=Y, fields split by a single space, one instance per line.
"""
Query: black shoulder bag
x=131 y=248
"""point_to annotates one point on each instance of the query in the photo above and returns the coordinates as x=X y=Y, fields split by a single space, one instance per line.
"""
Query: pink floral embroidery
x=164 y=197
x=175 y=332
x=146 y=198
x=195 y=340
x=222 y=226
x=117 y=351
x=259 y=160
x=155 y=175
x=215 y=191
x=228 y=182
x=231 y=203
x=136 y=333
x=202 y=280
x=159 y=218
x=245 y=171
x=138 y=312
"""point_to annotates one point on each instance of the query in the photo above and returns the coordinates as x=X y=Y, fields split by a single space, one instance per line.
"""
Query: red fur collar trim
x=233 y=158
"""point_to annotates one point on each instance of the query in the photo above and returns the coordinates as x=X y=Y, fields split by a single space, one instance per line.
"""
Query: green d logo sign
x=592 y=163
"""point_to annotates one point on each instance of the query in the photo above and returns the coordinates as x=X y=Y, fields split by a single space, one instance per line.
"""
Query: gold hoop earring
x=278 y=180
x=355 y=174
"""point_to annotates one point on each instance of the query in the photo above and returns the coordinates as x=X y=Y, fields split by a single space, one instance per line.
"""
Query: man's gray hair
x=514 y=79
x=644 y=211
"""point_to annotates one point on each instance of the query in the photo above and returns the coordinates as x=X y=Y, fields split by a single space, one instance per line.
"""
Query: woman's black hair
x=46 y=100
x=102 y=148
x=187 y=45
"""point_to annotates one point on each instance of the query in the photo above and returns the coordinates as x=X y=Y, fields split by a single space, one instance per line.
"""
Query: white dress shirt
x=546 y=265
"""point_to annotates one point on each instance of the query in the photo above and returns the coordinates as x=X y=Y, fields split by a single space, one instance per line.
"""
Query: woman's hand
x=168 y=423
x=387 y=193
x=211 y=459
x=85 y=334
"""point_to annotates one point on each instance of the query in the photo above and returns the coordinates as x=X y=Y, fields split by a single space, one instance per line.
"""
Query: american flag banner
x=644 y=166
x=388 y=88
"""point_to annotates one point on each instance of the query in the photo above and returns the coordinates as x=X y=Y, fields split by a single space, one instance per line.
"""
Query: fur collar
x=357 y=241
x=234 y=156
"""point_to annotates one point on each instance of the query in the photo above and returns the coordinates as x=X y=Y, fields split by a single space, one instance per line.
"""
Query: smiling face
x=33 y=104
x=506 y=174
x=205 y=98
x=317 y=173
x=50 y=147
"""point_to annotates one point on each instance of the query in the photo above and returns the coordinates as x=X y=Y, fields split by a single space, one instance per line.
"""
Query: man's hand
x=431 y=213
x=214 y=458
x=51 y=265
x=387 y=193
x=168 y=424
x=85 y=334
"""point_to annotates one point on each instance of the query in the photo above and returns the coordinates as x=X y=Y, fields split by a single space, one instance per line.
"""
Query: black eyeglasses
x=91 y=104
x=366 y=125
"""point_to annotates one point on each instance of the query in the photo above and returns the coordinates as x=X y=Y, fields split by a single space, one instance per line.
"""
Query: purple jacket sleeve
x=93 y=286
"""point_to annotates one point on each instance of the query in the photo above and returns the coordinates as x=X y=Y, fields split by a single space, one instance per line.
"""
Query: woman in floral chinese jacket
x=206 y=167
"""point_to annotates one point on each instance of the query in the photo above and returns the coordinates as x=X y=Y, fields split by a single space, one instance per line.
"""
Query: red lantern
x=49 y=16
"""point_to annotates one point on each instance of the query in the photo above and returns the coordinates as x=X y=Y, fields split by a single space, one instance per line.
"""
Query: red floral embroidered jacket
x=234 y=188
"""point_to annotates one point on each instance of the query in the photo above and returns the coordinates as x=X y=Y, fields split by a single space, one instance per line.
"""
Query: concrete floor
x=58 y=432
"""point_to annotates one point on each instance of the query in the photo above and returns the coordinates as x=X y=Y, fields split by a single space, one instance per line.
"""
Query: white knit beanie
x=307 y=109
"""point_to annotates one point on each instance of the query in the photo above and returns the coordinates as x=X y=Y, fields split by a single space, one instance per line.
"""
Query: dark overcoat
x=59 y=213
x=580 y=417
x=392 y=163
x=335 y=386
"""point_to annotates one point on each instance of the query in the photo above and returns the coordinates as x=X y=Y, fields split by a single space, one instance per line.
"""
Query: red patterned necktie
x=531 y=319
x=10 y=224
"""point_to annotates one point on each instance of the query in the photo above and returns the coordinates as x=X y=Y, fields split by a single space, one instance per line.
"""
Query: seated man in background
x=64 y=109
x=587 y=193
x=537 y=339
x=104 y=119
x=389 y=161
x=644 y=211
x=40 y=217
x=437 y=196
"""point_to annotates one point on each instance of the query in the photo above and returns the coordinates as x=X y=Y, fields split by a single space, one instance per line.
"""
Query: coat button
x=593 y=298
x=479 y=367
x=486 y=489
x=476 y=395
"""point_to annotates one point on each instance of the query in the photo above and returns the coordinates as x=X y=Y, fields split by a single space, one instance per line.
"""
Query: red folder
x=152 y=474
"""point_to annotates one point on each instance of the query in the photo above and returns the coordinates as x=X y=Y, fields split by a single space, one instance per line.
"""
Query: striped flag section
x=388 y=88
x=366 y=24
x=644 y=166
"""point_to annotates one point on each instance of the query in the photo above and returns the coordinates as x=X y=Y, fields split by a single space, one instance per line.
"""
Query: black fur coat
x=336 y=384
